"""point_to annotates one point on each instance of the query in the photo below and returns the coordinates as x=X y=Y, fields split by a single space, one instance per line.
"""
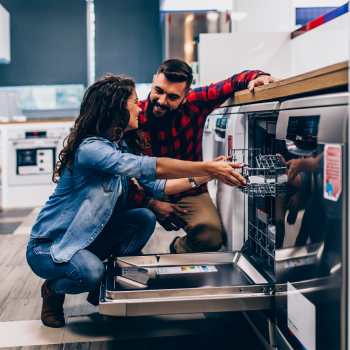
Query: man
x=172 y=119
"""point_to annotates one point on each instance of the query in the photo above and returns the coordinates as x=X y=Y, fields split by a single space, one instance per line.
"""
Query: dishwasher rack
x=262 y=237
x=264 y=171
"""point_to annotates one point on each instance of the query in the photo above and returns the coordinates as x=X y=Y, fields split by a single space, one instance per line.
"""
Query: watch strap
x=192 y=182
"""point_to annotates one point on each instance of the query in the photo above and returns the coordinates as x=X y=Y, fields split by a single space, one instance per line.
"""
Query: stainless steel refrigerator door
x=236 y=285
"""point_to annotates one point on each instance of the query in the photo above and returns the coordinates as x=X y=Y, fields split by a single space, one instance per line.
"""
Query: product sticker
x=299 y=262
x=332 y=172
x=229 y=144
x=301 y=318
x=184 y=269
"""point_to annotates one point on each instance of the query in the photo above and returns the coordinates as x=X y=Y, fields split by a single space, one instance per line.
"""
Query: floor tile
x=22 y=333
x=22 y=309
x=15 y=213
x=26 y=226
x=160 y=240
x=8 y=227
x=98 y=327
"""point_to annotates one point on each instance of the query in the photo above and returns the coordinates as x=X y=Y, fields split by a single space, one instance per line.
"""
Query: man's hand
x=167 y=215
x=262 y=80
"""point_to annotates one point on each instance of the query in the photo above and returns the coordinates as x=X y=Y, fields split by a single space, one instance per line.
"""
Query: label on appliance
x=172 y=270
x=301 y=318
x=299 y=262
x=229 y=144
x=332 y=172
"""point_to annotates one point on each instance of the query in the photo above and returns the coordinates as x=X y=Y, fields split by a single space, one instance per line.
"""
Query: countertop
x=32 y=121
x=333 y=78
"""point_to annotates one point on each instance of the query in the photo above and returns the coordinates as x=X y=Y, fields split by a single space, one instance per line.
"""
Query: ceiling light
x=212 y=16
x=189 y=18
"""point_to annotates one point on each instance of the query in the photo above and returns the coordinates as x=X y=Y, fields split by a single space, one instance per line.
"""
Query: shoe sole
x=52 y=326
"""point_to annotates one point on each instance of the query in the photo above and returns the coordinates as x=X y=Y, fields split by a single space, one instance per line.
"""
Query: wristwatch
x=192 y=182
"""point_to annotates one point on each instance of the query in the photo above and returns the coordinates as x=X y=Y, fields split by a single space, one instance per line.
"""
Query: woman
x=84 y=221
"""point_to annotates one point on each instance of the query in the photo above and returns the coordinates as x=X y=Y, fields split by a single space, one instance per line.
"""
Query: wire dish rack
x=262 y=236
x=264 y=171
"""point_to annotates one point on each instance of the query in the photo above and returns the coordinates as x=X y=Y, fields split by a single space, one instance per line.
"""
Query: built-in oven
x=32 y=155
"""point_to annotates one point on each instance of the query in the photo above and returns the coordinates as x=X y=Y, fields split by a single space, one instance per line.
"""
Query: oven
x=33 y=155
x=30 y=151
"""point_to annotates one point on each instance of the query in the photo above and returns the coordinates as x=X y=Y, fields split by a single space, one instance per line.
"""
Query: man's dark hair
x=177 y=71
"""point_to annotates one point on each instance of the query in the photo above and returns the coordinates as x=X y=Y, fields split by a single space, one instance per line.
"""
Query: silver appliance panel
x=332 y=124
x=341 y=98
x=260 y=107
x=236 y=285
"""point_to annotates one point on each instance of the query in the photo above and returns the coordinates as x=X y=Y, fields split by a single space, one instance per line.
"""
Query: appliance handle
x=35 y=142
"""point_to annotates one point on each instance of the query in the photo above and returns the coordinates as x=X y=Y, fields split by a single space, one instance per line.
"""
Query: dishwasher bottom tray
x=185 y=283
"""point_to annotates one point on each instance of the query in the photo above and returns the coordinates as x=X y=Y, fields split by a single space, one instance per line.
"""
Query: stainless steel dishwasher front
x=234 y=285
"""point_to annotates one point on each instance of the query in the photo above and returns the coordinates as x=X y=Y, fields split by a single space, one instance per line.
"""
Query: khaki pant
x=204 y=229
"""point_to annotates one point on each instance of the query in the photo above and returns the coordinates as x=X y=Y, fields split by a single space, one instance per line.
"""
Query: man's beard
x=163 y=122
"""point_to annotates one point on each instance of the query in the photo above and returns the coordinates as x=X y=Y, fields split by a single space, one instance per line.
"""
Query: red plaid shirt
x=183 y=138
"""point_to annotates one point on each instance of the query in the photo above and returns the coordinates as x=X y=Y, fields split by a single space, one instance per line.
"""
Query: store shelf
x=321 y=80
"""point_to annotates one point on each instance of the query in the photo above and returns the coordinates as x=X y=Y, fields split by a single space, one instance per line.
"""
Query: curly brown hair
x=104 y=102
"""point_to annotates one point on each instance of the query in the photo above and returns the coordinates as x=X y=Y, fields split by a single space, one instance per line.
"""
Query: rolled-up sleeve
x=102 y=155
x=156 y=188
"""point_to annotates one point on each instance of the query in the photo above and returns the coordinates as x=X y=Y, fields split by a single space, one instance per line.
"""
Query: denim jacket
x=84 y=200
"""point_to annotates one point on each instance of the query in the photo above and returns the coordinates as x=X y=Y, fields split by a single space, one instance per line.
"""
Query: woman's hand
x=295 y=166
x=222 y=158
x=224 y=172
x=307 y=165
x=203 y=179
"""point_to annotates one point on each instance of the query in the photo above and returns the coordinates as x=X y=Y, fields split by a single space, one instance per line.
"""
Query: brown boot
x=52 y=309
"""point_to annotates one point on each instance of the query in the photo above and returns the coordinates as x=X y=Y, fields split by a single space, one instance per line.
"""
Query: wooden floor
x=20 y=305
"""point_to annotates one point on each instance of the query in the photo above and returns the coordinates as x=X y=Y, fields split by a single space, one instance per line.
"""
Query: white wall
x=253 y=16
x=5 y=56
x=222 y=55
x=320 y=47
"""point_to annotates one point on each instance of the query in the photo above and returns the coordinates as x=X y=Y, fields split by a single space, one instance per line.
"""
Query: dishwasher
x=293 y=260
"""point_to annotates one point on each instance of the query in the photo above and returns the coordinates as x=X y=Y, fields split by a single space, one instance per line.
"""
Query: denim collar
x=122 y=143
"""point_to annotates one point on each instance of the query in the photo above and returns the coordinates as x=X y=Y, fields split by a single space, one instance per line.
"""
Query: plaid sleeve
x=135 y=195
x=205 y=99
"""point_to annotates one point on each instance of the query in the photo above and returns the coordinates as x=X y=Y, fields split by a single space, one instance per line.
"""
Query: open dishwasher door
x=184 y=283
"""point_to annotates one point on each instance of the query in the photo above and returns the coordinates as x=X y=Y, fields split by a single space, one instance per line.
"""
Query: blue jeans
x=124 y=234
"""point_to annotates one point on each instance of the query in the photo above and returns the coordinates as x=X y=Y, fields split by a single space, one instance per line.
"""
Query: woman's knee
x=89 y=270
x=146 y=218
